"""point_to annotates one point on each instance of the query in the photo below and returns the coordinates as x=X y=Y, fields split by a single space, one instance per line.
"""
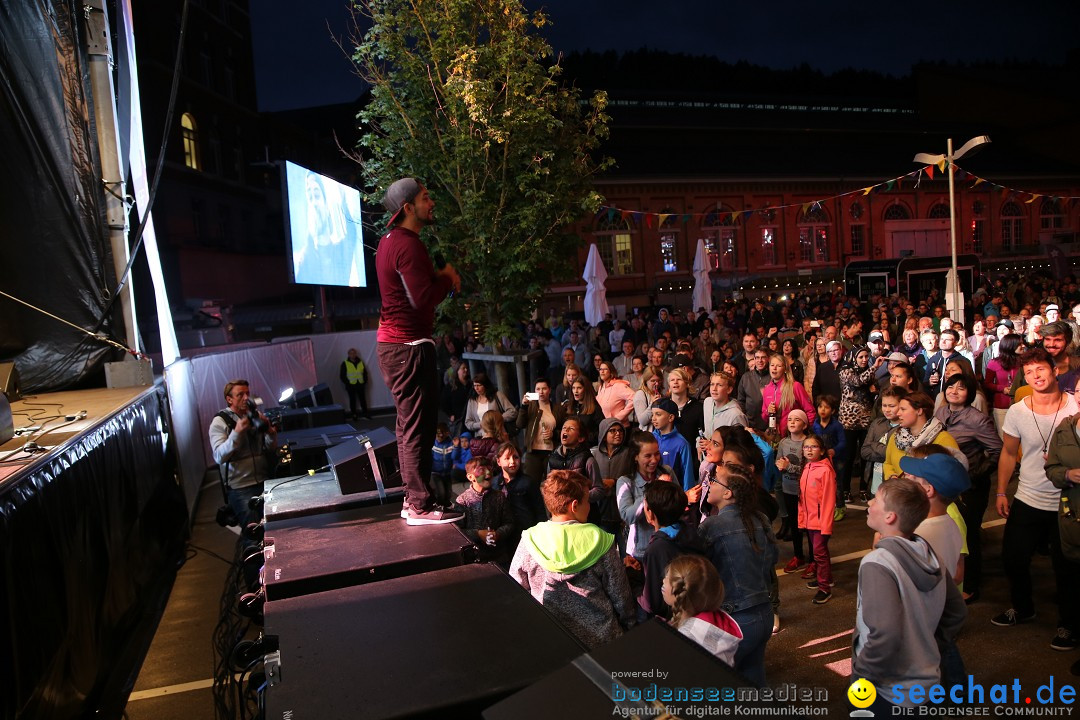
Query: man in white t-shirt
x=1032 y=517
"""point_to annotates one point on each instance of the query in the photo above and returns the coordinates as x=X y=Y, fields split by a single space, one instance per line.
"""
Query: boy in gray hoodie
x=906 y=600
x=572 y=567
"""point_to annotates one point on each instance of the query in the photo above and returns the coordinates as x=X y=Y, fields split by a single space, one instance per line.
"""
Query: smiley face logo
x=862 y=693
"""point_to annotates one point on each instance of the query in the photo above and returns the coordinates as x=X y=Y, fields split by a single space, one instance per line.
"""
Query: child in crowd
x=817 y=499
x=829 y=429
x=789 y=460
x=492 y=435
x=442 y=464
x=905 y=602
x=522 y=492
x=572 y=567
x=462 y=455
x=674 y=450
x=664 y=505
x=943 y=477
x=694 y=592
x=608 y=462
x=572 y=453
x=877 y=437
x=630 y=491
x=488 y=520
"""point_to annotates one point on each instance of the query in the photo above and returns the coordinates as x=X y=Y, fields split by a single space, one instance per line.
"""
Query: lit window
x=190 y=135
x=768 y=246
x=718 y=231
x=613 y=240
x=669 y=240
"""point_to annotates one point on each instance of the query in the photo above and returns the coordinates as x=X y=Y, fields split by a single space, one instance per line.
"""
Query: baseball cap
x=667 y=405
x=400 y=192
x=945 y=473
x=1007 y=323
x=897 y=357
x=1052 y=306
x=876 y=337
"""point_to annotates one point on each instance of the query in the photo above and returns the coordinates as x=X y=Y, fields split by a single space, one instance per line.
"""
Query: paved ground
x=813 y=648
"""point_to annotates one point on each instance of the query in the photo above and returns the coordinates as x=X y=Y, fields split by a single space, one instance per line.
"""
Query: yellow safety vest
x=355 y=373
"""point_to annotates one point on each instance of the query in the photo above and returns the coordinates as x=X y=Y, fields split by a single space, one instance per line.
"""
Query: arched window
x=897 y=211
x=189 y=133
x=670 y=236
x=939 y=211
x=1012 y=226
x=718 y=230
x=613 y=240
x=814 y=229
x=1050 y=215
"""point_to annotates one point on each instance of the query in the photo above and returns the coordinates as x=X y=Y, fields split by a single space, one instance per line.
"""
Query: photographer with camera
x=240 y=435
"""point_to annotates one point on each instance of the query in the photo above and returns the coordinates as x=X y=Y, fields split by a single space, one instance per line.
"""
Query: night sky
x=298 y=65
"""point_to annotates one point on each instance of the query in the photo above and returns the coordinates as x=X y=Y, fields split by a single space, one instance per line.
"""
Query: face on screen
x=324 y=229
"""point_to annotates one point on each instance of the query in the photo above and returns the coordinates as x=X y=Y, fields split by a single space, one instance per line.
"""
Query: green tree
x=467 y=98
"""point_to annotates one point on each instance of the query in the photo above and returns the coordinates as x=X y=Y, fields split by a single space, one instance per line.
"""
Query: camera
x=257 y=423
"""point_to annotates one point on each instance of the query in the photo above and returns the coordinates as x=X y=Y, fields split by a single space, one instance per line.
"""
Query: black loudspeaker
x=315 y=396
x=307 y=446
x=366 y=463
x=9 y=381
x=7 y=423
x=414 y=623
x=614 y=679
x=310 y=417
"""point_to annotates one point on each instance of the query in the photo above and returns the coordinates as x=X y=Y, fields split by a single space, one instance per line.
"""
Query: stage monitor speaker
x=591 y=685
x=340 y=652
x=7 y=422
x=314 y=396
x=368 y=462
x=310 y=417
x=9 y=381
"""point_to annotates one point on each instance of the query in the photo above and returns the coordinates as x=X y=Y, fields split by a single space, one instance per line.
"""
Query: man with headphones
x=239 y=437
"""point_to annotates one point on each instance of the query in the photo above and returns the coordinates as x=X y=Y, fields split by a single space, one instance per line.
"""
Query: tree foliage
x=466 y=97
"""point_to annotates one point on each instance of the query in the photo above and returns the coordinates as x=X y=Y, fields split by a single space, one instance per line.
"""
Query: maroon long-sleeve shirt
x=409 y=287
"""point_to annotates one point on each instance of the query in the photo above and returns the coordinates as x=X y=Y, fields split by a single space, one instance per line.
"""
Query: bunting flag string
x=970 y=179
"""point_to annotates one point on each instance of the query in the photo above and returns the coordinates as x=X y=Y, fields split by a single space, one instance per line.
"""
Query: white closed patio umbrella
x=595 y=275
x=702 y=283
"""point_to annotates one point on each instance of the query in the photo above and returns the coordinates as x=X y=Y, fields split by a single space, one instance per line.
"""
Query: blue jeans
x=238 y=500
x=756 y=626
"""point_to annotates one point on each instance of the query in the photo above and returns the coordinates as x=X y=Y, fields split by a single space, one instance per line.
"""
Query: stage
x=92 y=524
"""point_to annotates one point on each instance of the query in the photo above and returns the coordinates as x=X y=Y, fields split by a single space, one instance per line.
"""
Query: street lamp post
x=952 y=288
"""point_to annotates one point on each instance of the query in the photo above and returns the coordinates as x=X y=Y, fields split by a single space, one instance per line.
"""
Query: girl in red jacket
x=817 y=501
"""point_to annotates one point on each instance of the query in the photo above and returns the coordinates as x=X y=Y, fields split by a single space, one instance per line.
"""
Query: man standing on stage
x=354 y=376
x=411 y=288
x=239 y=448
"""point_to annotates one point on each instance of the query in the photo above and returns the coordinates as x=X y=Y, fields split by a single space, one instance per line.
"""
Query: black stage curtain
x=91 y=539
x=54 y=250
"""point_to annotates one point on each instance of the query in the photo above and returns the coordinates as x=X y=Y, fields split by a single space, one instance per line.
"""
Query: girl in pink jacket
x=817 y=501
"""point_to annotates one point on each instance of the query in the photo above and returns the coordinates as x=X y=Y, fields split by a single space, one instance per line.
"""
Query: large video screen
x=326 y=238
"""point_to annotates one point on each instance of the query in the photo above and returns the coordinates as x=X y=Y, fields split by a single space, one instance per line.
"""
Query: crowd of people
x=731 y=436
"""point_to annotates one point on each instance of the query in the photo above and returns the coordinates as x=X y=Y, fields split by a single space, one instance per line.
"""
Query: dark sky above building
x=298 y=64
